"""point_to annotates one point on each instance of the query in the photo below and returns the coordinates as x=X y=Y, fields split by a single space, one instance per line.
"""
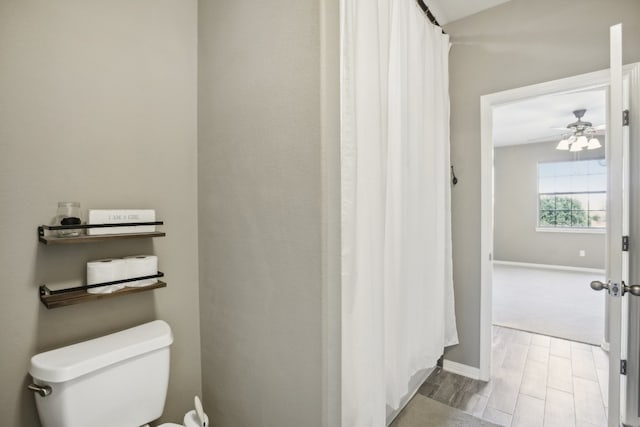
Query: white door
x=617 y=265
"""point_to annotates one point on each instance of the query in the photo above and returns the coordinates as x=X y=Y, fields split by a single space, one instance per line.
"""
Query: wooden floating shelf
x=77 y=297
x=89 y=238
x=53 y=240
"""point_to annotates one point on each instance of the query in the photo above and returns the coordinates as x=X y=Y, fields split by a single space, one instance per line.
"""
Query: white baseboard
x=550 y=267
x=460 y=369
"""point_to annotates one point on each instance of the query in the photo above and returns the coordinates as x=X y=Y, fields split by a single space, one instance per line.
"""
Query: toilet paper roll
x=105 y=270
x=138 y=266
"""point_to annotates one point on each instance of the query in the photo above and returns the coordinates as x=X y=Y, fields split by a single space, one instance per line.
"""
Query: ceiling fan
x=582 y=135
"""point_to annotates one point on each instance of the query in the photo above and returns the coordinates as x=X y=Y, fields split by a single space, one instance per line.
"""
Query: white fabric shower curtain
x=397 y=298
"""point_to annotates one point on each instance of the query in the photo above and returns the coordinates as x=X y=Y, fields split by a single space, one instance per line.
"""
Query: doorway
x=549 y=211
x=577 y=84
x=629 y=384
x=550 y=182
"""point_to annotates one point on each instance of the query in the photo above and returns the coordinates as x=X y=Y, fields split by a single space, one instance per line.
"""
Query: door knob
x=597 y=285
x=633 y=289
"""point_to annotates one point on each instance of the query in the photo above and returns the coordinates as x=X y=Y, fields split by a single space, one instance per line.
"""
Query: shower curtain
x=397 y=298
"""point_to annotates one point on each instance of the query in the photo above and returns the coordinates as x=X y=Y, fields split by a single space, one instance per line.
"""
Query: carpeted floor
x=549 y=302
x=424 y=412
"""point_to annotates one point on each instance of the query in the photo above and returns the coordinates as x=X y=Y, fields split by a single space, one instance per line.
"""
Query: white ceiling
x=447 y=11
x=545 y=118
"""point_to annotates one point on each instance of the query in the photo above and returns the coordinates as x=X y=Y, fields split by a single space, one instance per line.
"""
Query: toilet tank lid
x=67 y=363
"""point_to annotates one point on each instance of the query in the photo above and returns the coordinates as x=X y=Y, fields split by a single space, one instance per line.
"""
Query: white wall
x=516 y=211
x=268 y=148
x=98 y=105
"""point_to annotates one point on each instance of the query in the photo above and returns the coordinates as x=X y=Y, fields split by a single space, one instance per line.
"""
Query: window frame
x=564 y=229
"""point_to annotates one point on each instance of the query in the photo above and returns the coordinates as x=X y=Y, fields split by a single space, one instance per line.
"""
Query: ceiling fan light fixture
x=593 y=144
x=582 y=135
x=575 y=148
x=581 y=142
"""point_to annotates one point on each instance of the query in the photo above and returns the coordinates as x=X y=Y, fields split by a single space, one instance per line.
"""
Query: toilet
x=116 y=380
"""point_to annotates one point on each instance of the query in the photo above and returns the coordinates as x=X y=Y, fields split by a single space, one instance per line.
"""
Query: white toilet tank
x=118 y=380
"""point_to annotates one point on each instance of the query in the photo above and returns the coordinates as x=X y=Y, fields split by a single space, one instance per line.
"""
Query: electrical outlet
x=582 y=252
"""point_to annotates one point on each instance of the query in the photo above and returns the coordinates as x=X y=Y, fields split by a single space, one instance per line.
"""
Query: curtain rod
x=426 y=10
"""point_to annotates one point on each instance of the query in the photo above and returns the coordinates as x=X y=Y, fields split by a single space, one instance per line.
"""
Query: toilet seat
x=171 y=425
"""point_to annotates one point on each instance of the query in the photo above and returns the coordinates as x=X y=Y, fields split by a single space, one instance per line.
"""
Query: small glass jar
x=68 y=213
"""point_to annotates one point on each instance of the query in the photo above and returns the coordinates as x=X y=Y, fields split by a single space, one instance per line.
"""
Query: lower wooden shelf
x=77 y=297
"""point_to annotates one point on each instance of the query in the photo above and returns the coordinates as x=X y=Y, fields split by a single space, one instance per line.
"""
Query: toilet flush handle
x=42 y=390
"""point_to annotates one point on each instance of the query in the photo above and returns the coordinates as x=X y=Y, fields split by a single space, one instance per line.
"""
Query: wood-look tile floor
x=536 y=381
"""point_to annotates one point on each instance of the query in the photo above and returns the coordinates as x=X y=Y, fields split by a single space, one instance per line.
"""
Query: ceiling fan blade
x=553 y=137
x=567 y=130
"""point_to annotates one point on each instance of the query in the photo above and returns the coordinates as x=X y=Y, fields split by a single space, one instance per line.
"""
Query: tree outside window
x=572 y=194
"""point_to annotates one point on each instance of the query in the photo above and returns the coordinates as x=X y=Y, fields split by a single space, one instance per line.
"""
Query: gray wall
x=264 y=211
x=512 y=45
x=98 y=105
x=515 y=211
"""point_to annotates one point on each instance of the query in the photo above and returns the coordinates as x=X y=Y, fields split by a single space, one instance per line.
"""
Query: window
x=572 y=195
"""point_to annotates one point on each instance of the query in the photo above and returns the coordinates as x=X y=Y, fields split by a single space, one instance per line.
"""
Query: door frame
x=487 y=102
